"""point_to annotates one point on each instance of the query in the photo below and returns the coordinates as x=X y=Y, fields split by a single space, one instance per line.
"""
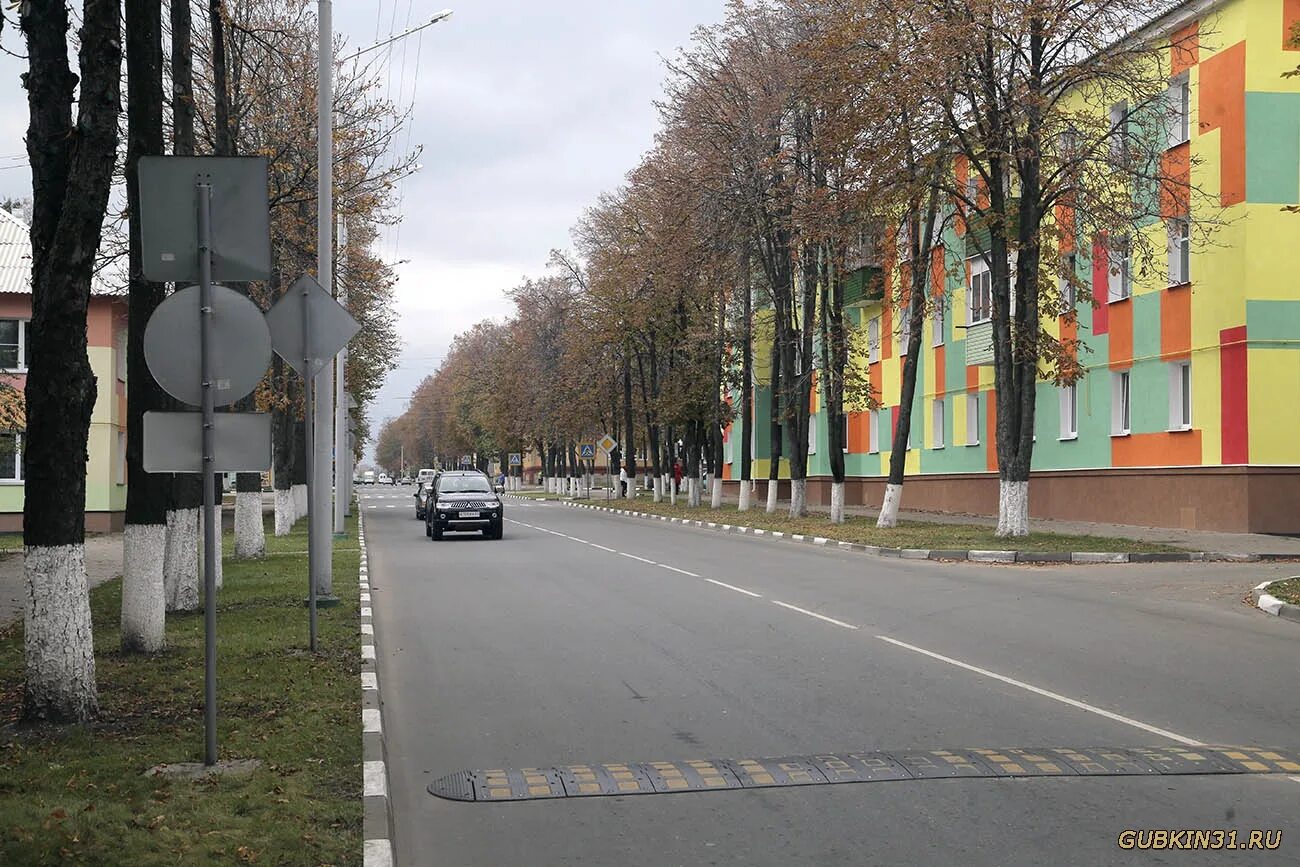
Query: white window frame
x=1180 y=251
x=23 y=326
x=17 y=477
x=905 y=326
x=122 y=346
x=1179 y=107
x=903 y=240
x=729 y=448
x=1121 y=403
x=979 y=272
x=1065 y=283
x=844 y=421
x=873 y=432
x=972 y=418
x=1068 y=412
x=121 y=458
x=937 y=414
x=1119 y=121
x=812 y=433
x=1180 y=396
x=873 y=340
x=972 y=183
x=937 y=323
x=1119 y=282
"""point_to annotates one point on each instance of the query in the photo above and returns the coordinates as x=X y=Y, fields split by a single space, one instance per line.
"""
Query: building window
x=979 y=299
x=972 y=183
x=972 y=419
x=11 y=456
x=873 y=432
x=904 y=240
x=844 y=432
x=1065 y=283
x=1119 y=130
x=1180 y=251
x=14 y=349
x=938 y=322
x=1120 y=407
x=1178 y=105
x=905 y=327
x=1121 y=269
x=912 y=421
x=1069 y=395
x=1180 y=395
x=812 y=434
x=873 y=340
x=121 y=355
x=729 y=447
x=936 y=423
x=121 y=457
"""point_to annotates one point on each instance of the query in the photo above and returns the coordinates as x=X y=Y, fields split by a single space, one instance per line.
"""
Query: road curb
x=937 y=555
x=1271 y=604
x=377 y=811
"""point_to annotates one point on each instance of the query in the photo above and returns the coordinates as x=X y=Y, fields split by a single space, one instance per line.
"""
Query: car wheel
x=435 y=534
x=428 y=531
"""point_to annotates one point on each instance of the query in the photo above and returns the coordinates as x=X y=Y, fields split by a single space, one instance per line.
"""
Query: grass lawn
x=78 y=795
x=908 y=534
x=1287 y=591
x=10 y=542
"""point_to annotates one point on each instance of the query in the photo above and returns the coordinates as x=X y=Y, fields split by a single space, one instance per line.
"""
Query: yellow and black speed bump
x=643 y=778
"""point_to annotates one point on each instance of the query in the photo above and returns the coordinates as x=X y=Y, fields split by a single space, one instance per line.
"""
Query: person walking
x=622 y=481
x=677 y=474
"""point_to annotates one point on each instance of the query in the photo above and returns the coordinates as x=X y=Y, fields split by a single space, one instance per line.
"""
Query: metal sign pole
x=209 y=480
x=308 y=383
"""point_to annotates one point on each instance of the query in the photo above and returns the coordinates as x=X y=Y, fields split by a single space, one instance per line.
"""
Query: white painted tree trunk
x=58 y=645
x=1013 y=508
x=250 y=535
x=837 y=502
x=672 y=491
x=631 y=487
x=220 y=551
x=773 y=488
x=144 y=601
x=284 y=512
x=181 y=560
x=715 y=501
x=299 y=502
x=659 y=489
x=746 y=490
x=798 y=498
x=693 y=493
x=889 y=508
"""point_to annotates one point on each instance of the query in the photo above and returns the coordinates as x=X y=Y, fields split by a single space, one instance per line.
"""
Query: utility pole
x=342 y=447
x=318 y=541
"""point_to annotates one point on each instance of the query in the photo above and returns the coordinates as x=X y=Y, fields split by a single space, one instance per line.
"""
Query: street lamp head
x=441 y=16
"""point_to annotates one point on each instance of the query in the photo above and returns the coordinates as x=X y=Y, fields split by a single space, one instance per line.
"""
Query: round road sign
x=240 y=347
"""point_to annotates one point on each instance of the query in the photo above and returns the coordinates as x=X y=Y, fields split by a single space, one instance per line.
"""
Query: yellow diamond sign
x=607 y=443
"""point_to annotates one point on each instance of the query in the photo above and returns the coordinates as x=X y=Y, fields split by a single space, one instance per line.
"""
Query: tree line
x=813 y=149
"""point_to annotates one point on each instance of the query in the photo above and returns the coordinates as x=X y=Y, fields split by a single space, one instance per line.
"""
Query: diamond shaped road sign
x=607 y=443
x=307 y=306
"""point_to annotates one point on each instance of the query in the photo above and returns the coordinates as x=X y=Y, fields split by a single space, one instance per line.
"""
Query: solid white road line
x=635 y=557
x=1055 y=696
x=814 y=614
x=675 y=569
x=733 y=587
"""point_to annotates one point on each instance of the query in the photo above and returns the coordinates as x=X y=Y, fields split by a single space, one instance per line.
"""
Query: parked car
x=384 y=479
x=406 y=480
x=423 y=490
x=463 y=500
x=368 y=478
x=425 y=475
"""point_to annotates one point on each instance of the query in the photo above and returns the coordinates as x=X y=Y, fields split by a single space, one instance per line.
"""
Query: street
x=589 y=638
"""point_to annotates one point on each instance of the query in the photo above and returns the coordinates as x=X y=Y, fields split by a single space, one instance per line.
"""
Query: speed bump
x=614 y=779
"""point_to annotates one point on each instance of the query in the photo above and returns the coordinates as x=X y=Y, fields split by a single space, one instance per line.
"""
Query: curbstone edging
x=377 y=807
x=938 y=555
x=1271 y=604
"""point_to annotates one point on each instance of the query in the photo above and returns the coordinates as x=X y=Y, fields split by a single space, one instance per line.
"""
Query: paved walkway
x=1193 y=540
x=103 y=563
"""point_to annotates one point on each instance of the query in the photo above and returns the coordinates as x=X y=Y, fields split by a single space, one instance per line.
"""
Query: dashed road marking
x=734 y=587
x=813 y=614
x=635 y=557
x=675 y=569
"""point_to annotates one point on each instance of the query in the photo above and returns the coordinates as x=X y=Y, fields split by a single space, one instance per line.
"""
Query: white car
x=425 y=475
x=383 y=479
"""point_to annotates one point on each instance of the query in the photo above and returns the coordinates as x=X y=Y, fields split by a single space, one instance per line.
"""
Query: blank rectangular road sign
x=173 y=442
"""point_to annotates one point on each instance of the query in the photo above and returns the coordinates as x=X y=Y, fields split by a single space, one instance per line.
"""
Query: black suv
x=463 y=501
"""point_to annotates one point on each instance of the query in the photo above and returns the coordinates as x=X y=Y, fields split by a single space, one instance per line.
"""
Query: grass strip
x=1288 y=590
x=79 y=794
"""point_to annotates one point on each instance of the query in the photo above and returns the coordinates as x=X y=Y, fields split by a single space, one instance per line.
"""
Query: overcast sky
x=526 y=110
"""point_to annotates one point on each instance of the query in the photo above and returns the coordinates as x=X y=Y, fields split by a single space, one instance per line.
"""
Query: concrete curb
x=1272 y=605
x=377 y=811
x=1027 y=557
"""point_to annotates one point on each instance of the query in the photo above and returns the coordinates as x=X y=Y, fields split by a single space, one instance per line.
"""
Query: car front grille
x=470 y=505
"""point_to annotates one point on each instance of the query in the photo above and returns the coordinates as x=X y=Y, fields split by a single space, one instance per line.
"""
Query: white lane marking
x=1055 y=696
x=602 y=547
x=373 y=778
x=369 y=717
x=635 y=557
x=675 y=569
x=733 y=587
x=814 y=614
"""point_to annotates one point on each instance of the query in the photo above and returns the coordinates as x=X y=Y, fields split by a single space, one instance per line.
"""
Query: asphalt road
x=584 y=638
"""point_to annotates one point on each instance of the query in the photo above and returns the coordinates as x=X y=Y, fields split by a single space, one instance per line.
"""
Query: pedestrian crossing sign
x=587 y=451
x=516 y=459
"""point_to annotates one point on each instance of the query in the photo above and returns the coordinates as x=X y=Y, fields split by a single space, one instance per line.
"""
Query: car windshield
x=464 y=485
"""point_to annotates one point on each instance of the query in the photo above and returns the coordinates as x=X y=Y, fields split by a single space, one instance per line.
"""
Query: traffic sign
x=516 y=459
x=607 y=443
x=308 y=305
x=587 y=451
x=173 y=442
x=239 y=352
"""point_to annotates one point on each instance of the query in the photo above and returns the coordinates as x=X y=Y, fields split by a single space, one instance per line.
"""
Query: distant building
x=106 y=334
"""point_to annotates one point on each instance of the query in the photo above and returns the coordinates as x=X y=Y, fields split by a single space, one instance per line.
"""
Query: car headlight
x=445 y=507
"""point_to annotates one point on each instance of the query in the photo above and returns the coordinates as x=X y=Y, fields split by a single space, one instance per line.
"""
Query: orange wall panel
x=1176 y=323
x=1121 y=333
x=1222 y=103
x=1175 y=166
x=1158 y=449
x=1186 y=47
x=990 y=401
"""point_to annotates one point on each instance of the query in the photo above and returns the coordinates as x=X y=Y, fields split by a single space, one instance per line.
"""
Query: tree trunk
x=72 y=170
x=299 y=470
x=747 y=383
x=629 y=447
x=777 y=433
x=144 y=541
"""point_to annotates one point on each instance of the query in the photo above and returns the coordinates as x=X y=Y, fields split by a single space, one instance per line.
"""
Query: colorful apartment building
x=1189 y=415
x=106 y=333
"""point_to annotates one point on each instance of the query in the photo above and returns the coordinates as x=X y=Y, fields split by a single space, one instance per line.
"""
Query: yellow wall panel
x=1275 y=401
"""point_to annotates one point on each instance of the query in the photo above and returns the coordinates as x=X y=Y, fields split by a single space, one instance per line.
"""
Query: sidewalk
x=103 y=563
x=1192 y=540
